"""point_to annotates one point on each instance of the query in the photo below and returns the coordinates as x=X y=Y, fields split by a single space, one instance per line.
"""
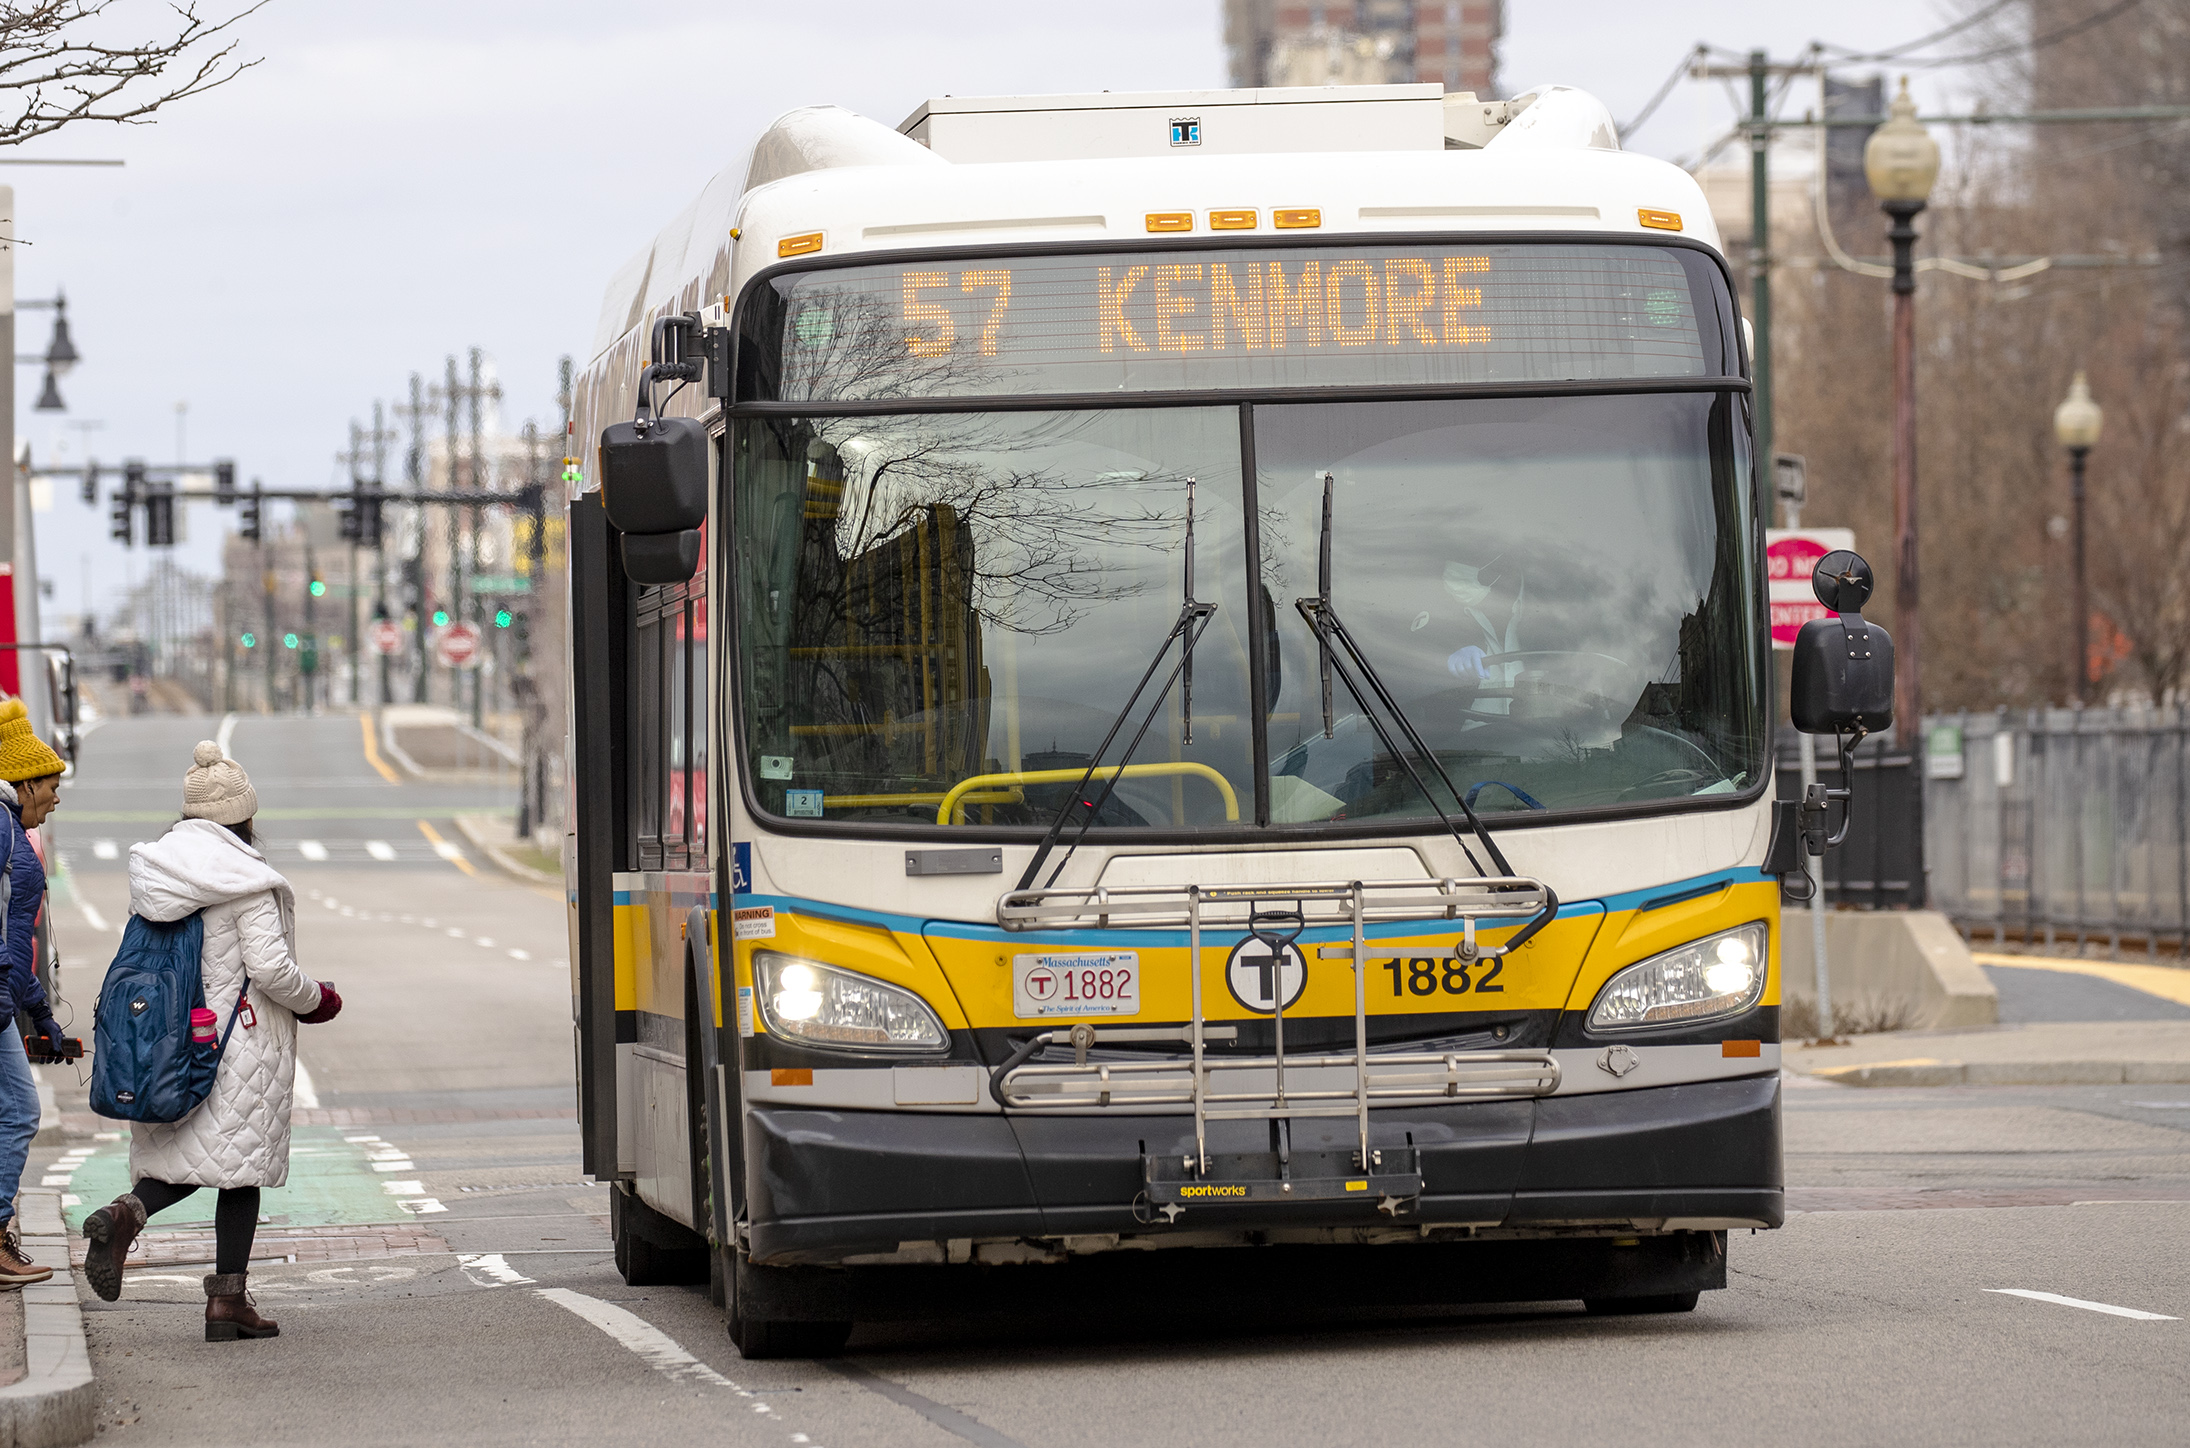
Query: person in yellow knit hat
x=30 y=787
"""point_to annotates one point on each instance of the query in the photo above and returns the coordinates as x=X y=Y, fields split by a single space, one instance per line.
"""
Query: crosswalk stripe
x=380 y=849
x=105 y=850
x=311 y=849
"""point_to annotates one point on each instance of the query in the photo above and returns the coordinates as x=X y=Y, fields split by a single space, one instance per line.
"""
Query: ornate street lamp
x=1901 y=161
x=2076 y=423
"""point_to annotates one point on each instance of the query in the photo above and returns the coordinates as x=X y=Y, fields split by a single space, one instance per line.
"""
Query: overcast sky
x=401 y=180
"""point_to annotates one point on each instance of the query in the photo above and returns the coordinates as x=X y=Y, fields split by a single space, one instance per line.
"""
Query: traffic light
x=352 y=511
x=248 y=522
x=288 y=640
x=501 y=618
x=440 y=618
x=91 y=484
x=123 y=529
x=159 y=517
x=319 y=587
x=250 y=641
x=370 y=530
x=224 y=482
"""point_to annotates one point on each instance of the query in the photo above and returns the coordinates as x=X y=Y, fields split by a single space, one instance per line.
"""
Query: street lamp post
x=2076 y=423
x=1901 y=161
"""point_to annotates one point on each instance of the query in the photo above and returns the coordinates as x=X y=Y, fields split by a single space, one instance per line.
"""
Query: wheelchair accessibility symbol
x=1255 y=978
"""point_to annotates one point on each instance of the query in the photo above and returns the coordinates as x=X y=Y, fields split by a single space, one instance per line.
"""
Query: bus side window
x=669 y=729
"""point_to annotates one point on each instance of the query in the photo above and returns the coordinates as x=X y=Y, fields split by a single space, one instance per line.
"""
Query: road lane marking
x=445 y=850
x=489 y=1265
x=307 y=1093
x=226 y=732
x=93 y=918
x=372 y=751
x=2060 y=1301
x=380 y=849
x=105 y=850
x=657 y=1349
x=404 y=1189
x=520 y=955
x=312 y=850
x=950 y=1420
x=421 y=1206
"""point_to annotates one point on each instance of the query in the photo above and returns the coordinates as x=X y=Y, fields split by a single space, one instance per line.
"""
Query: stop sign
x=387 y=636
x=458 y=645
x=1790 y=557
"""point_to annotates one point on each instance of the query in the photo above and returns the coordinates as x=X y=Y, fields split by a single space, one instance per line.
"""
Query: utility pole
x=452 y=395
x=414 y=472
x=1760 y=253
x=475 y=520
x=381 y=439
x=355 y=456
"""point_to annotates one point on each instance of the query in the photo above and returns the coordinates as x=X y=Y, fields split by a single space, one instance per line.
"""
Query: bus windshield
x=940 y=614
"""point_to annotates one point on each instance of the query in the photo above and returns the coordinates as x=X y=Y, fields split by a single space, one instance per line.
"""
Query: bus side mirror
x=654 y=474
x=1843 y=665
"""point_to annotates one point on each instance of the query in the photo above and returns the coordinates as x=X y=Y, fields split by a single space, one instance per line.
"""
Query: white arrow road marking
x=493 y=1267
x=380 y=849
x=2061 y=1301
x=311 y=849
x=105 y=850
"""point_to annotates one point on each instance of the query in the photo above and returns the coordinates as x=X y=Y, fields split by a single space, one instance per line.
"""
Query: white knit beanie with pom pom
x=217 y=789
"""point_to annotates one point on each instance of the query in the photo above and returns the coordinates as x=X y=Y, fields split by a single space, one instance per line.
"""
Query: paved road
x=1872 y=1318
x=2028 y=996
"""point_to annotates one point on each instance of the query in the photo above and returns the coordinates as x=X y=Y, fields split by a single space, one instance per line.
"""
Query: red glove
x=330 y=1005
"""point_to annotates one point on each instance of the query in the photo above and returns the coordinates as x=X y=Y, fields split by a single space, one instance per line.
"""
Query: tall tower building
x=1365 y=42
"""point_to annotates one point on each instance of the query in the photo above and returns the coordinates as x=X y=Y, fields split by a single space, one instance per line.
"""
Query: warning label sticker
x=753 y=922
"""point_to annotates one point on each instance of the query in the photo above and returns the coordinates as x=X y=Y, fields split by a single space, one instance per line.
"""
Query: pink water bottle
x=202 y=1023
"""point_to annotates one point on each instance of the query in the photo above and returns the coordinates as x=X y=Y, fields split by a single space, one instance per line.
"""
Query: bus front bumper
x=826 y=1186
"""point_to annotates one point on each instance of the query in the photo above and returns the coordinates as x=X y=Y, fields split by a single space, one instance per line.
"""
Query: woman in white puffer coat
x=237 y=1139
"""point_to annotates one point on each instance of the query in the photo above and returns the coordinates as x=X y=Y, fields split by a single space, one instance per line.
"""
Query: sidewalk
x=54 y=1401
x=2054 y=1053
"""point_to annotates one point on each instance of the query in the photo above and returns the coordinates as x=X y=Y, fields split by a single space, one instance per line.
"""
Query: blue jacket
x=19 y=987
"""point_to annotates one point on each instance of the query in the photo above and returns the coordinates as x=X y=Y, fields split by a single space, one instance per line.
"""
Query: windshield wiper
x=1331 y=638
x=1193 y=617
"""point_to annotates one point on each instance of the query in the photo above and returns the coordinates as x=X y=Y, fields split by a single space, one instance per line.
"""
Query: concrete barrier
x=1905 y=969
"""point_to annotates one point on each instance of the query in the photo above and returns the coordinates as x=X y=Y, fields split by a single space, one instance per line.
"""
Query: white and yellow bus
x=1166 y=672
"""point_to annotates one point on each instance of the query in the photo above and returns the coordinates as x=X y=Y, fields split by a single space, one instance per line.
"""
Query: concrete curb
x=1924 y=1071
x=56 y=1403
x=473 y=830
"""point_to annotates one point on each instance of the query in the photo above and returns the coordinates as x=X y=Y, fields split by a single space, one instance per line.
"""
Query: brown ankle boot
x=228 y=1310
x=110 y=1230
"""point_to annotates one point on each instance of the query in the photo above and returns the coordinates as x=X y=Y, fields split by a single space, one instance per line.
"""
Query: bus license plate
x=1107 y=984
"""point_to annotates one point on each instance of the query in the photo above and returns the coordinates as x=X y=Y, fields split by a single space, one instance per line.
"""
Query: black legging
x=235 y=1218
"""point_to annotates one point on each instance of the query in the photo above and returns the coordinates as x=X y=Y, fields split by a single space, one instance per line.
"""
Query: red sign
x=1790 y=557
x=458 y=646
x=386 y=636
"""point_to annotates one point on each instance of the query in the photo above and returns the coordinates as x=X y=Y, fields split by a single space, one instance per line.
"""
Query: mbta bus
x=1182 y=680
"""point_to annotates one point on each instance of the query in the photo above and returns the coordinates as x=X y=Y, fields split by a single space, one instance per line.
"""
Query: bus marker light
x=1741 y=1048
x=1170 y=221
x=1357 y=1186
x=799 y=245
x=1659 y=220
x=1297 y=217
x=1232 y=220
x=796 y=1076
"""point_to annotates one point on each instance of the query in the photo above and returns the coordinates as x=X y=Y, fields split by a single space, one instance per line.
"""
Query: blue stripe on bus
x=967 y=930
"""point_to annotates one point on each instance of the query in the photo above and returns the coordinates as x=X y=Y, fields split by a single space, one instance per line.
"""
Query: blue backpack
x=145 y=1066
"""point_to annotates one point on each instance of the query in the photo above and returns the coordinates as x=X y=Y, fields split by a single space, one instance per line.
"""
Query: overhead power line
x=1843 y=55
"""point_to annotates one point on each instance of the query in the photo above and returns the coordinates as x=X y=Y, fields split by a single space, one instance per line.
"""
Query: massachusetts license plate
x=1079 y=984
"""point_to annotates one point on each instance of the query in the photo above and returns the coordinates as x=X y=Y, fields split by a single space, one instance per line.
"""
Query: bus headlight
x=1719 y=975
x=804 y=1000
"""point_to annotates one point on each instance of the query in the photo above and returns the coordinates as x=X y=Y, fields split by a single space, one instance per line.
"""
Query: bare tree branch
x=61 y=63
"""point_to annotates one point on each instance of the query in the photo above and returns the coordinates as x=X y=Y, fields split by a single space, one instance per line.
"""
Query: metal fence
x=2061 y=823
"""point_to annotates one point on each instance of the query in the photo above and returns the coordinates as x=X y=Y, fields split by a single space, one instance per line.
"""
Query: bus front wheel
x=759 y=1326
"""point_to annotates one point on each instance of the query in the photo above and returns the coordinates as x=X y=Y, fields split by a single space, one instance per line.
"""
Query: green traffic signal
x=250 y=641
x=289 y=641
x=501 y=618
x=440 y=618
x=319 y=589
